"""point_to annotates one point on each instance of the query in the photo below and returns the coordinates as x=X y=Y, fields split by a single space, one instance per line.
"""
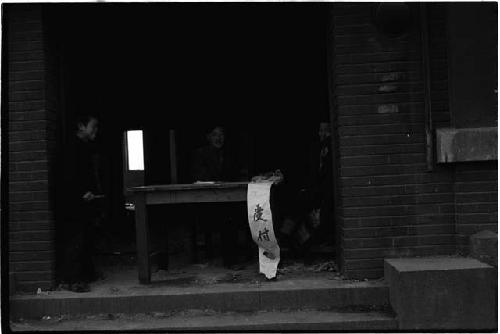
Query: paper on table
x=261 y=225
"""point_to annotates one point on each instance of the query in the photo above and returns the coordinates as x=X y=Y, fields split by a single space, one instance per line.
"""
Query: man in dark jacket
x=212 y=162
x=81 y=211
x=322 y=187
x=312 y=221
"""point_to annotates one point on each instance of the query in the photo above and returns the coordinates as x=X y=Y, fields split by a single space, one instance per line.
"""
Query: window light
x=135 y=150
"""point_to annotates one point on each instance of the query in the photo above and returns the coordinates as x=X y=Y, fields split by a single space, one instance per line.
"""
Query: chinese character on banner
x=263 y=235
x=260 y=221
x=257 y=216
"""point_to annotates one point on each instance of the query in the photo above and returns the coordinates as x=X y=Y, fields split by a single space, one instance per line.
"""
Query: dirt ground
x=121 y=273
x=120 y=279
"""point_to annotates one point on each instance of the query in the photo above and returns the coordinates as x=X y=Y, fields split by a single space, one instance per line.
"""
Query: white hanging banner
x=261 y=226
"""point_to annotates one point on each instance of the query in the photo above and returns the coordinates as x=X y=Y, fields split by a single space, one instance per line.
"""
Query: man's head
x=87 y=127
x=216 y=137
x=324 y=131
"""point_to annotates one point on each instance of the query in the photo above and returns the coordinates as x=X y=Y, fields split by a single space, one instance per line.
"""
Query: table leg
x=142 y=235
x=163 y=255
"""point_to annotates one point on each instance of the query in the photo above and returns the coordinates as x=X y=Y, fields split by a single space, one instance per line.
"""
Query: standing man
x=323 y=186
x=320 y=227
x=82 y=192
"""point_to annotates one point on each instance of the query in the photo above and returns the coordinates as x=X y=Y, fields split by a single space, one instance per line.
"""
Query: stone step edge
x=38 y=306
x=226 y=289
x=264 y=320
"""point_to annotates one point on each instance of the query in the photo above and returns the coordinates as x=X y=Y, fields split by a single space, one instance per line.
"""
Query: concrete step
x=240 y=297
x=443 y=293
x=298 y=320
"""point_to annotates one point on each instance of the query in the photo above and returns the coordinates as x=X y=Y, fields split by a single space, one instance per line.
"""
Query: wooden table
x=173 y=194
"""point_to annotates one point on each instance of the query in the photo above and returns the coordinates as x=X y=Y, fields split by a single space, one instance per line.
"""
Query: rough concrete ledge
x=470 y=144
x=278 y=321
x=237 y=298
x=442 y=293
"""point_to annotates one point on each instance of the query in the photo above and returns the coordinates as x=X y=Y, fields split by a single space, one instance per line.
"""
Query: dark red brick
x=29 y=185
x=479 y=186
x=27 y=146
x=382 y=119
x=382 y=170
x=476 y=208
x=400 y=241
x=26 y=276
x=372 y=160
x=31 y=246
x=31 y=215
x=387 y=67
x=24 y=256
x=381 y=149
x=31 y=266
x=416 y=96
x=28 y=166
x=427 y=250
x=24 y=156
x=29 y=206
x=34 y=235
x=26 y=65
x=32 y=225
x=384 y=180
x=477 y=197
x=29 y=135
x=15 y=77
x=398 y=200
x=25 y=106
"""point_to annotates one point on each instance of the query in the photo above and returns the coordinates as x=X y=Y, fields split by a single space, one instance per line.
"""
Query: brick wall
x=476 y=200
x=390 y=204
x=31 y=119
x=475 y=184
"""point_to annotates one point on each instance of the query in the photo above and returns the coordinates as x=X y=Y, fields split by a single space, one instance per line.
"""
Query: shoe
x=80 y=287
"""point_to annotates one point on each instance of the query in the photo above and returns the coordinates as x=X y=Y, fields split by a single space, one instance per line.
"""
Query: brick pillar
x=32 y=126
x=390 y=205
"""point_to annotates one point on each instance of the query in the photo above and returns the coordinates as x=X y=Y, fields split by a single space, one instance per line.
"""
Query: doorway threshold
x=205 y=287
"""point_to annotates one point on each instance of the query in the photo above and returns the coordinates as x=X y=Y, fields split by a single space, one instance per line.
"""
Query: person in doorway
x=322 y=188
x=82 y=211
x=214 y=162
x=312 y=224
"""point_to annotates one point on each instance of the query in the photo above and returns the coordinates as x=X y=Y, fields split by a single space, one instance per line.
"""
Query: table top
x=190 y=186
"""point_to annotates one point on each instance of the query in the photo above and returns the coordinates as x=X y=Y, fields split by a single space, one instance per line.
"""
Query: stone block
x=469 y=144
x=484 y=247
x=442 y=293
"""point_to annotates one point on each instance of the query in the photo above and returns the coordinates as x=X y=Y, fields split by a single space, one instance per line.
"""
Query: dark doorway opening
x=258 y=69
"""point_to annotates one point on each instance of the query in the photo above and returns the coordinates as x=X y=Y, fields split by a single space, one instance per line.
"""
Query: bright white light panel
x=135 y=150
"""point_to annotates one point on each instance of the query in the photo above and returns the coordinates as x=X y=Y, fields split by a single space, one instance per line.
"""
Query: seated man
x=214 y=162
x=311 y=222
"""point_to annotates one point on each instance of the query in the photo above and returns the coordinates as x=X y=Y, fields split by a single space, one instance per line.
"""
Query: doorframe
x=332 y=107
